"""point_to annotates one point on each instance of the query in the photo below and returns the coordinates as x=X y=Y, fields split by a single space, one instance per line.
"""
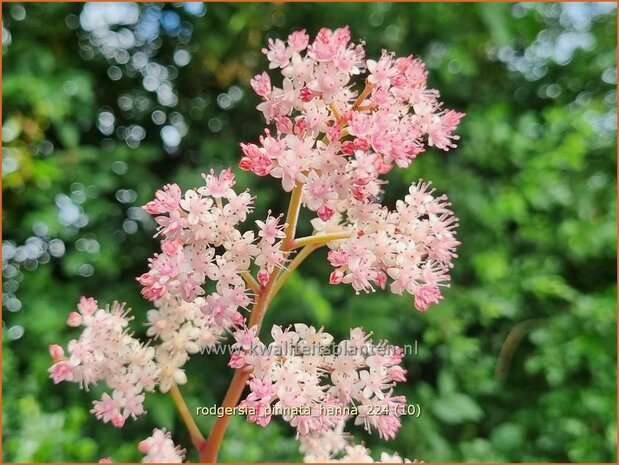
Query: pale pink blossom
x=270 y=229
x=440 y=131
x=74 y=319
x=62 y=371
x=426 y=295
x=261 y=83
x=339 y=151
x=166 y=200
x=218 y=185
x=277 y=53
x=335 y=445
x=298 y=40
x=106 y=351
x=57 y=352
x=414 y=245
x=159 y=448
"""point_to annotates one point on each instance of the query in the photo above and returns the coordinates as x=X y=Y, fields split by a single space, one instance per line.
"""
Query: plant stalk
x=194 y=431
x=319 y=239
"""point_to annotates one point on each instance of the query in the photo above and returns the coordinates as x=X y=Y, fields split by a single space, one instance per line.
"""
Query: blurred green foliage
x=104 y=103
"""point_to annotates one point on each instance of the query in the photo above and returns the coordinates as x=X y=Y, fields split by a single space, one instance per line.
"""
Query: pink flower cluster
x=412 y=245
x=339 y=124
x=202 y=243
x=332 y=138
x=182 y=329
x=159 y=448
x=194 y=226
x=314 y=383
x=336 y=446
x=106 y=351
x=335 y=143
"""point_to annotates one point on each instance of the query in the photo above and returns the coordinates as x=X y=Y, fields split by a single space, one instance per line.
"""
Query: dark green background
x=533 y=183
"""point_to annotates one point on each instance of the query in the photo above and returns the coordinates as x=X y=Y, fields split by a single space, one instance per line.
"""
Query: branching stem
x=293 y=213
x=251 y=282
x=319 y=239
x=362 y=96
x=183 y=410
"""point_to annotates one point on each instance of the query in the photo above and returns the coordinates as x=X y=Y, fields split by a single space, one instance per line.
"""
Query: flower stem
x=251 y=282
x=210 y=448
x=336 y=113
x=194 y=431
x=293 y=214
x=260 y=307
x=362 y=96
x=367 y=108
x=319 y=239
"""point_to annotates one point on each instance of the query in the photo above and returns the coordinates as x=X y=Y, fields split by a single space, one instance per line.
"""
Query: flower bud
x=263 y=277
x=56 y=352
x=325 y=212
x=74 y=319
x=118 y=421
x=348 y=147
x=336 y=277
x=306 y=94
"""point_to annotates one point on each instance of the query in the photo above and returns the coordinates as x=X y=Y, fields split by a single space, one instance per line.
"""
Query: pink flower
x=329 y=81
x=107 y=409
x=261 y=84
x=337 y=257
x=397 y=373
x=62 y=371
x=56 y=352
x=134 y=405
x=298 y=40
x=290 y=170
x=388 y=424
x=270 y=229
x=325 y=213
x=293 y=373
x=220 y=185
x=270 y=256
x=171 y=247
x=329 y=43
x=87 y=306
x=332 y=142
x=118 y=421
x=440 y=132
x=263 y=277
x=381 y=71
x=413 y=245
x=74 y=319
x=105 y=351
x=399 y=119
x=277 y=53
x=166 y=200
x=427 y=295
x=306 y=94
x=159 y=448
